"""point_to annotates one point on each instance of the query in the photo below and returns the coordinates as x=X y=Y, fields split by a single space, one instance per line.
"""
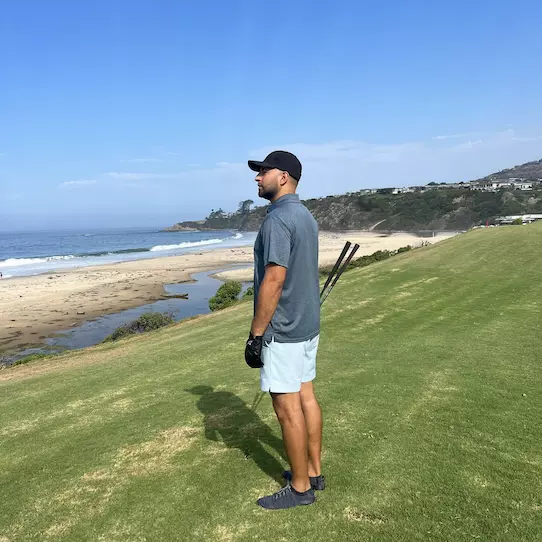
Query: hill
x=529 y=171
x=434 y=209
x=429 y=379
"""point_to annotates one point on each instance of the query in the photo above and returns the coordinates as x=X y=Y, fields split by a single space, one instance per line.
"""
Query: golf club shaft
x=340 y=272
x=336 y=266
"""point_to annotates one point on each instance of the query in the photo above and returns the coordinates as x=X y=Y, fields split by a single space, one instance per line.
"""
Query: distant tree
x=432 y=183
x=219 y=213
x=244 y=206
x=518 y=222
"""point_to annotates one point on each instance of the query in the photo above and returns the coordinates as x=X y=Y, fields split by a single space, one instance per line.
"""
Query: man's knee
x=287 y=406
x=307 y=395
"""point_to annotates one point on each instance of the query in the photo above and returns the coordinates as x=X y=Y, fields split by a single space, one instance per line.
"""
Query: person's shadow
x=229 y=418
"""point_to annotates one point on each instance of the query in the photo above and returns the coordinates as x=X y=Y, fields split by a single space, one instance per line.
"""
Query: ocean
x=32 y=253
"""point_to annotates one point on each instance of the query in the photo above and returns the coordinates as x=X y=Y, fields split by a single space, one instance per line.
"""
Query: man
x=285 y=329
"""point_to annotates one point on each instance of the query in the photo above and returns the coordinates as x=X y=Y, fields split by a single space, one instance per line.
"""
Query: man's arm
x=268 y=298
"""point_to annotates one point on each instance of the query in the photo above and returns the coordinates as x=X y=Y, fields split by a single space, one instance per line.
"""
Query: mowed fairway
x=430 y=379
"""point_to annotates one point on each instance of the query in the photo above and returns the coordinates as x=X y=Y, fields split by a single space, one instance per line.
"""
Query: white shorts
x=287 y=365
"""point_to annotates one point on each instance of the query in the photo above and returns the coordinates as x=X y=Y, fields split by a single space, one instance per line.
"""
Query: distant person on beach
x=284 y=335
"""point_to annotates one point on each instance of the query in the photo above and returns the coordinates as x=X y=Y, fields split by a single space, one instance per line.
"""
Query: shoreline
x=32 y=308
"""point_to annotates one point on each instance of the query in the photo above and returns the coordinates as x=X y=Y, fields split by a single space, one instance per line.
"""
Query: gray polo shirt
x=288 y=237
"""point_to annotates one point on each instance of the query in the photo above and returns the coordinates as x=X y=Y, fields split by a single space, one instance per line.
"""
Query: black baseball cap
x=285 y=161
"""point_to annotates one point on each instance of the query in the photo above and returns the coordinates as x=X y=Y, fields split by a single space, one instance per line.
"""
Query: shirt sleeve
x=276 y=238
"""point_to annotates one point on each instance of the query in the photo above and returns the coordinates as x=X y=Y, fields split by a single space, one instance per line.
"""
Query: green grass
x=429 y=377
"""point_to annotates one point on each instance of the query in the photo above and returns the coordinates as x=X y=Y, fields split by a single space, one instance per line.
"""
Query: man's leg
x=313 y=422
x=294 y=435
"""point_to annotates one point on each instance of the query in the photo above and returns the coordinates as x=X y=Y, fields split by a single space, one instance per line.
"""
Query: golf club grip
x=341 y=271
x=336 y=266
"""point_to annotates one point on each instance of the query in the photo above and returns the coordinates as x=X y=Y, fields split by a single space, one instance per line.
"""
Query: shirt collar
x=287 y=198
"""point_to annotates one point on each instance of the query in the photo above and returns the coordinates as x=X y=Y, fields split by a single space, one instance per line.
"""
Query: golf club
x=336 y=266
x=323 y=296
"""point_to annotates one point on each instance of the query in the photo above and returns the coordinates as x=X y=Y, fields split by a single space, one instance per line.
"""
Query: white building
x=525 y=219
x=523 y=185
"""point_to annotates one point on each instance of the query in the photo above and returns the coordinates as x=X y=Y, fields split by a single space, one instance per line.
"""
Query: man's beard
x=268 y=194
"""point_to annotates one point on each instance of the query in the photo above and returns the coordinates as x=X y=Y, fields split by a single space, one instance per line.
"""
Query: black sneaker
x=287 y=497
x=318 y=483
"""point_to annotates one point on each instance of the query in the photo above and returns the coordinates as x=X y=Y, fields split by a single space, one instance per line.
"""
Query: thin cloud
x=227 y=164
x=142 y=161
x=82 y=182
x=451 y=136
x=467 y=145
x=129 y=176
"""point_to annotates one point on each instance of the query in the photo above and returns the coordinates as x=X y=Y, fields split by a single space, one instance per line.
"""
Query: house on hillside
x=492 y=186
x=481 y=186
x=525 y=219
x=523 y=185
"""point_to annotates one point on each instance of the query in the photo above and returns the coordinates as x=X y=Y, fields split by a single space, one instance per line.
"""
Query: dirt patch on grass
x=155 y=455
x=413 y=283
x=58 y=529
x=224 y=533
x=121 y=532
x=372 y=321
x=351 y=514
x=479 y=481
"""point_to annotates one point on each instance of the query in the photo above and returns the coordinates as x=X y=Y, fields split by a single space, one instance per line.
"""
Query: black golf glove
x=253 y=351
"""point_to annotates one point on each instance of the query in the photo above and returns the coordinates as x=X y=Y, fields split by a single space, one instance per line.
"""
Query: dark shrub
x=225 y=296
x=249 y=292
x=146 y=322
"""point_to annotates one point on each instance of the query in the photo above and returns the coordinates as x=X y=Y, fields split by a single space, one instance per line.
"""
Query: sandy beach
x=32 y=308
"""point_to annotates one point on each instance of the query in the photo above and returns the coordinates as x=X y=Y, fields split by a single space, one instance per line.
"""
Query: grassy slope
x=423 y=365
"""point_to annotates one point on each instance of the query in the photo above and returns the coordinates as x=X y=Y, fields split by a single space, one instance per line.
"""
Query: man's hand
x=253 y=352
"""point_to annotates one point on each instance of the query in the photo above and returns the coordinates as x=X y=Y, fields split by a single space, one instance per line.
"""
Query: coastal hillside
x=437 y=209
x=433 y=207
x=529 y=171
x=429 y=378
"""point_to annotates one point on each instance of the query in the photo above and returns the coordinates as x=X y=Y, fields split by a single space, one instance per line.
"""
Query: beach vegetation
x=148 y=321
x=226 y=296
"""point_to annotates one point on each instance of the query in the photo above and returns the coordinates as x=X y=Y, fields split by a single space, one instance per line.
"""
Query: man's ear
x=283 y=179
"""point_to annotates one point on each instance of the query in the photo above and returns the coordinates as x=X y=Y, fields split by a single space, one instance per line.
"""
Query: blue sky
x=145 y=112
